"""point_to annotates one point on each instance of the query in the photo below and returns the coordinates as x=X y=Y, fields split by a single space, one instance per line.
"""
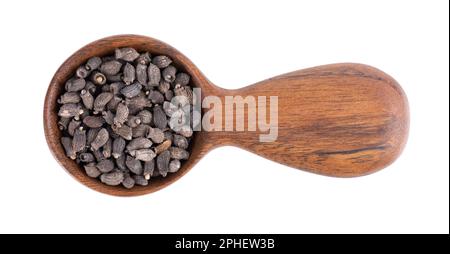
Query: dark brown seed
x=156 y=135
x=144 y=155
x=126 y=54
x=114 y=178
x=91 y=135
x=100 y=140
x=141 y=74
x=156 y=97
x=86 y=157
x=108 y=116
x=69 y=97
x=178 y=153
x=120 y=162
x=75 y=85
x=162 y=163
x=169 y=73
x=131 y=90
x=91 y=170
x=140 y=180
x=145 y=116
x=110 y=67
x=185 y=91
x=63 y=123
x=70 y=110
x=94 y=121
x=118 y=147
x=87 y=98
x=164 y=86
x=182 y=79
x=107 y=148
x=140 y=131
x=128 y=182
x=73 y=125
x=67 y=144
x=159 y=118
x=133 y=121
x=113 y=103
x=93 y=63
x=79 y=140
x=101 y=100
x=98 y=78
x=134 y=165
x=154 y=75
x=163 y=146
x=124 y=131
x=161 y=61
x=105 y=166
x=121 y=114
x=149 y=167
x=139 y=143
x=174 y=166
x=168 y=95
x=180 y=141
x=144 y=58
x=169 y=108
x=82 y=72
x=137 y=103
x=116 y=87
x=129 y=74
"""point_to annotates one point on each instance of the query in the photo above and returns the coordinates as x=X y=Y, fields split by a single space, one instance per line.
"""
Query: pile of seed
x=114 y=117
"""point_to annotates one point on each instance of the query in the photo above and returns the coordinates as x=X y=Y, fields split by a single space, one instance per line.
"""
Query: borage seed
x=134 y=165
x=174 y=166
x=126 y=54
x=105 y=166
x=169 y=73
x=101 y=100
x=140 y=180
x=69 y=97
x=113 y=178
x=101 y=139
x=98 y=78
x=154 y=75
x=131 y=90
x=118 y=147
x=129 y=74
x=73 y=125
x=94 y=121
x=87 y=98
x=161 y=61
x=111 y=67
x=93 y=63
x=162 y=162
x=92 y=170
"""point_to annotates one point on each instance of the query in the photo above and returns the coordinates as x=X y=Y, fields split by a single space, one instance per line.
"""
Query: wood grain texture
x=338 y=120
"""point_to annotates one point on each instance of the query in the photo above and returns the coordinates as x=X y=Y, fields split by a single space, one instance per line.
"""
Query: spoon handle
x=339 y=120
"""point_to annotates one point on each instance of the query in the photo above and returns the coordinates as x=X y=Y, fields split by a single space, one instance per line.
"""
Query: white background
x=234 y=44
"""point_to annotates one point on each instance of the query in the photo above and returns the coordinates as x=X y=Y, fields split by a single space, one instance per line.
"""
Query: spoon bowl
x=340 y=120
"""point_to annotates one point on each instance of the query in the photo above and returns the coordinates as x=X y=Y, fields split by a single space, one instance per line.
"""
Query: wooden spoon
x=341 y=120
